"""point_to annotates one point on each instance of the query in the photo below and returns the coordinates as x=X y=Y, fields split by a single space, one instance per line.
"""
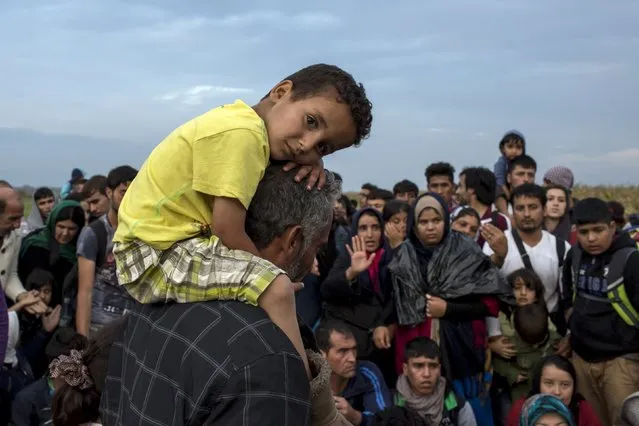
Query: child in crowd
x=181 y=233
x=527 y=333
x=37 y=330
x=512 y=145
x=465 y=219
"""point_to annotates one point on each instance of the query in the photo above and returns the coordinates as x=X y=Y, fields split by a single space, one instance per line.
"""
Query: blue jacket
x=367 y=392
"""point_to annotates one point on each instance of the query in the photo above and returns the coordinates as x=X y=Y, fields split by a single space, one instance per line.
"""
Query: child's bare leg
x=278 y=300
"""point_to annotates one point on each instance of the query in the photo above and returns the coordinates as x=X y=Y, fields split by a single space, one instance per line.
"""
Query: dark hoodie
x=597 y=332
x=365 y=303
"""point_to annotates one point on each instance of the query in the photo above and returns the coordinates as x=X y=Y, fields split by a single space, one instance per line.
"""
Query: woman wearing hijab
x=556 y=375
x=545 y=410
x=358 y=290
x=53 y=248
x=444 y=288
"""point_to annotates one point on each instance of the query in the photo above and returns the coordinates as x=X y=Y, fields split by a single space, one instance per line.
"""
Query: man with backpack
x=530 y=247
x=601 y=296
x=100 y=299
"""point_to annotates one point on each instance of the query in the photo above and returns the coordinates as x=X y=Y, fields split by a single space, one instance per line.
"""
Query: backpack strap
x=616 y=290
x=452 y=405
x=575 y=267
x=522 y=250
x=100 y=231
x=561 y=250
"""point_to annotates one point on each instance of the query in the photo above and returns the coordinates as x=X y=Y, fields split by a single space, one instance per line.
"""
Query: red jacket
x=587 y=415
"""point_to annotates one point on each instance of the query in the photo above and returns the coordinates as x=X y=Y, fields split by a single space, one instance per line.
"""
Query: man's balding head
x=287 y=222
x=11 y=210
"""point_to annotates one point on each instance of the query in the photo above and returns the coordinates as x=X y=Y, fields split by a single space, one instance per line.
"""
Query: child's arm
x=29 y=299
x=228 y=220
x=278 y=300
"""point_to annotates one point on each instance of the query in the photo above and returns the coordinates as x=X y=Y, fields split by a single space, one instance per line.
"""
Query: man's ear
x=405 y=369
x=109 y=193
x=293 y=240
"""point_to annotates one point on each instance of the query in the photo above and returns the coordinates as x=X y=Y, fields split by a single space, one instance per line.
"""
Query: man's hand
x=316 y=174
x=51 y=319
x=496 y=239
x=345 y=409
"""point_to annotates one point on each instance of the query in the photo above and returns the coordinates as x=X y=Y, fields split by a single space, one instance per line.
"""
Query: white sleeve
x=466 y=416
x=493 y=327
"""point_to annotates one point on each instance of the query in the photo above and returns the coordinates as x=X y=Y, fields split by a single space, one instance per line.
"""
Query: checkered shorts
x=193 y=270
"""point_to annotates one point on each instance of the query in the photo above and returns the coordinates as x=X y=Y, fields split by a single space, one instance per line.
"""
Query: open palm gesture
x=360 y=260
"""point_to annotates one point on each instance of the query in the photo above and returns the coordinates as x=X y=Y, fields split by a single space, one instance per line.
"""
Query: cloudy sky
x=97 y=83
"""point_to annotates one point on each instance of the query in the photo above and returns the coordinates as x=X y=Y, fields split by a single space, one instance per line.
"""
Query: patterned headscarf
x=72 y=370
x=541 y=404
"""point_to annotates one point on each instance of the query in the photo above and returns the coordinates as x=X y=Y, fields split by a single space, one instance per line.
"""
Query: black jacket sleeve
x=336 y=288
x=631 y=279
x=466 y=310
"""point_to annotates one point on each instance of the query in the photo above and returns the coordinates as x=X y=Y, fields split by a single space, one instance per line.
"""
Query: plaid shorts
x=193 y=270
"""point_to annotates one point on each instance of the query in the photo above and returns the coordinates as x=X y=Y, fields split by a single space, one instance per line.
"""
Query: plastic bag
x=457 y=268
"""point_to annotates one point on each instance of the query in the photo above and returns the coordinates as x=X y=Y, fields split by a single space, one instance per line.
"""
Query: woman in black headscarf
x=444 y=288
x=358 y=290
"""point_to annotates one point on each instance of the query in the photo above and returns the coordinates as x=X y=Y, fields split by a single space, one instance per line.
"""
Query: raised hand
x=360 y=260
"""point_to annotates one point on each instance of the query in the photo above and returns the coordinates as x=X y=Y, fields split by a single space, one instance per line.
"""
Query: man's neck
x=338 y=384
x=112 y=216
x=480 y=208
x=531 y=238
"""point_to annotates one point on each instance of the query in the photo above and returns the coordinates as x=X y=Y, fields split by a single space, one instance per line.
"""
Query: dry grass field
x=626 y=195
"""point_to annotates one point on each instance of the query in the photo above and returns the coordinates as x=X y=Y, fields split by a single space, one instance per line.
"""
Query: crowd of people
x=230 y=281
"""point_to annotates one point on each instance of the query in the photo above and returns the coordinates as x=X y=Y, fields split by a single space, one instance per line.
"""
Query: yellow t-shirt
x=222 y=153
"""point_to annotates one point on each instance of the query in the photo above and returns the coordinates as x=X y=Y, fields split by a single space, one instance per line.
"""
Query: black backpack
x=70 y=285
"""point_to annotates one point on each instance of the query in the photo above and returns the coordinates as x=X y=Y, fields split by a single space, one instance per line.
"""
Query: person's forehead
x=522 y=169
x=526 y=199
x=339 y=339
x=423 y=360
x=439 y=179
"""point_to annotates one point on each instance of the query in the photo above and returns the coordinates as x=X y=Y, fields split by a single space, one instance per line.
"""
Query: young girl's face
x=46 y=292
x=557 y=382
x=467 y=225
x=513 y=149
x=556 y=203
x=399 y=221
x=523 y=294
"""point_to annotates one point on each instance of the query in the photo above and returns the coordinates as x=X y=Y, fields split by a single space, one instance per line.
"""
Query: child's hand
x=435 y=306
x=30 y=301
x=521 y=378
x=316 y=174
x=51 y=319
